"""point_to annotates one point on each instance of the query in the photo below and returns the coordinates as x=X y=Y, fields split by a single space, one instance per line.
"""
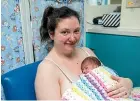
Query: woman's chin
x=70 y=48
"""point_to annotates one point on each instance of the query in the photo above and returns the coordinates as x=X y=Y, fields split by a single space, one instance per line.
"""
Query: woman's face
x=67 y=34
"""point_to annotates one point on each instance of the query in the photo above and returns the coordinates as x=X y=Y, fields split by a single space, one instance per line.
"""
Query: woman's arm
x=47 y=82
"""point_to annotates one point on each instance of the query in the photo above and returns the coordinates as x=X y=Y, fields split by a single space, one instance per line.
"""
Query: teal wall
x=121 y=53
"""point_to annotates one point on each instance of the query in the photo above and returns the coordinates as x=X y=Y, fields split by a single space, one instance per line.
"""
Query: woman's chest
x=73 y=66
x=66 y=81
x=65 y=85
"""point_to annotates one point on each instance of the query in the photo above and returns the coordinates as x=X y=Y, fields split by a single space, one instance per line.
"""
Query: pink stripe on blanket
x=99 y=88
x=99 y=80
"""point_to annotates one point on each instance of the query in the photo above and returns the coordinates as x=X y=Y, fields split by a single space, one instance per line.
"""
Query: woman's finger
x=121 y=94
x=115 y=87
x=126 y=95
x=116 y=91
x=116 y=78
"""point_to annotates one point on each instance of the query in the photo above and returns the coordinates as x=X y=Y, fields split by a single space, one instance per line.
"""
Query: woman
x=61 y=66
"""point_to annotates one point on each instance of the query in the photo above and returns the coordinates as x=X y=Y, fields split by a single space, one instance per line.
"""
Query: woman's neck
x=63 y=54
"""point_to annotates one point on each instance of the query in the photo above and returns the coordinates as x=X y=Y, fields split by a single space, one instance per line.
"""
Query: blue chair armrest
x=18 y=84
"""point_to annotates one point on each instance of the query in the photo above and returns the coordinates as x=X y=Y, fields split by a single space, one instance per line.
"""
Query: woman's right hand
x=122 y=88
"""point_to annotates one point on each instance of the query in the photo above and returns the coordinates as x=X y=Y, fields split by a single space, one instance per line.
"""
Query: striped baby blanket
x=92 y=86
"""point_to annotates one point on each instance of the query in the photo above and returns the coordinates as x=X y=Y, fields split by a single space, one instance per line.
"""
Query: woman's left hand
x=121 y=89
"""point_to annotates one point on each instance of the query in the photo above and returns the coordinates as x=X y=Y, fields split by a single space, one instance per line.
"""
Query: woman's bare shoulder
x=91 y=52
x=46 y=65
x=47 y=68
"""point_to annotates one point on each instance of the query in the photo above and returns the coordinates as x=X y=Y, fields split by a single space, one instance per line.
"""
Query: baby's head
x=89 y=63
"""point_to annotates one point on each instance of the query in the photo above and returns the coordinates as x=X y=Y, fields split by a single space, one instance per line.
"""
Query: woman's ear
x=51 y=34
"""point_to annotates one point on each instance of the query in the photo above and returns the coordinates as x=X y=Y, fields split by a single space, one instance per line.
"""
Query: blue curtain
x=37 y=8
x=12 y=53
x=11 y=39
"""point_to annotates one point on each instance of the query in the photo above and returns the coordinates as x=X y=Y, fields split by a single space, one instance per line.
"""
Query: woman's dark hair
x=50 y=20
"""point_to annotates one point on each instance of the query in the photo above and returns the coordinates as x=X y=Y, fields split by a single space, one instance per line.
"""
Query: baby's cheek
x=88 y=70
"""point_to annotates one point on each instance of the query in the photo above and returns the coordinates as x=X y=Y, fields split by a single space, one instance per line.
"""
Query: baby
x=92 y=63
x=89 y=63
x=93 y=83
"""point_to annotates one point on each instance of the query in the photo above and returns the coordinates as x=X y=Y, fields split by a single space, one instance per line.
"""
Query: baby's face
x=87 y=67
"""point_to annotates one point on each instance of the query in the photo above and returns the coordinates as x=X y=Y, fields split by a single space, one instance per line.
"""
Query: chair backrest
x=18 y=84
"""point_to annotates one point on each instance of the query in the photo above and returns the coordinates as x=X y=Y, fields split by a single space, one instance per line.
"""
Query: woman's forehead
x=67 y=23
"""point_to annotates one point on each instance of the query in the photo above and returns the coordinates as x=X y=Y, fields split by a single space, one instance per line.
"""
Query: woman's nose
x=72 y=37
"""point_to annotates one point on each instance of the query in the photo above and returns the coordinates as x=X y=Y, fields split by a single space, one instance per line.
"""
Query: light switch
x=133 y=3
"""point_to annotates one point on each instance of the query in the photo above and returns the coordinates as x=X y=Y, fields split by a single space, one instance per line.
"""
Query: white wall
x=130 y=17
x=92 y=11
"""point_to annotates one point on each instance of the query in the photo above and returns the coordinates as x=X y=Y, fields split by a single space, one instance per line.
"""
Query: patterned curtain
x=12 y=53
x=37 y=8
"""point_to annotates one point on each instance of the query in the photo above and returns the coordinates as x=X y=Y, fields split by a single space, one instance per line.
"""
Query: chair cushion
x=18 y=84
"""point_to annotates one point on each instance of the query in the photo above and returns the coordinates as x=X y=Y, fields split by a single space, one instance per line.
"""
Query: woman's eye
x=77 y=31
x=86 y=68
x=65 y=32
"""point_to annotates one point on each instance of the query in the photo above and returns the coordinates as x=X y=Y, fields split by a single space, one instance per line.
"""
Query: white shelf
x=111 y=30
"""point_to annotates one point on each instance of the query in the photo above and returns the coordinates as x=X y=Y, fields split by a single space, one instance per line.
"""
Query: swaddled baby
x=93 y=64
x=93 y=83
